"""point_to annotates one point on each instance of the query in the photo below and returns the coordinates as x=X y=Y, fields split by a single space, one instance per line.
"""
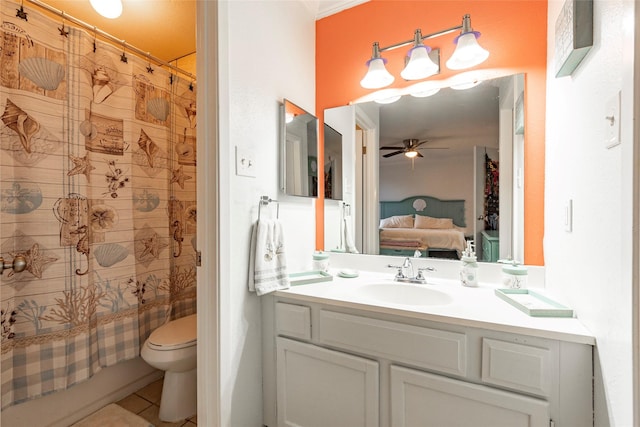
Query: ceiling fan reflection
x=409 y=148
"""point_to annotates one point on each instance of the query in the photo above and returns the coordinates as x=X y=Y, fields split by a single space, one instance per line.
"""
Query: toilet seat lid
x=177 y=333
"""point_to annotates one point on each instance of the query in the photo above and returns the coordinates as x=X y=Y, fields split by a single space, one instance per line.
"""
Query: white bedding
x=429 y=238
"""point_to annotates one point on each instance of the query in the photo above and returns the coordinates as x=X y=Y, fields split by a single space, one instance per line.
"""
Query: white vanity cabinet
x=336 y=365
x=427 y=400
x=319 y=387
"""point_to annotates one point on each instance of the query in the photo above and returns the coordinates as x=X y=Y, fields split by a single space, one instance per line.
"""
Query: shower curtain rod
x=108 y=36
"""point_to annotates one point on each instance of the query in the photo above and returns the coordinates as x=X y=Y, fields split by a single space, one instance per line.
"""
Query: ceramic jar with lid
x=320 y=261
x=514 y=276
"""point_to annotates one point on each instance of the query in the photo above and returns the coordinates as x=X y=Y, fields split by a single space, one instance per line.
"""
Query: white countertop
x=474 y=307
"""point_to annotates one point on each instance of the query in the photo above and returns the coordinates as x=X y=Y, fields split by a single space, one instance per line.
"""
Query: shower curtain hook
x=150 y=70
x=20 y=13
x=123 y=57
x=63 y=32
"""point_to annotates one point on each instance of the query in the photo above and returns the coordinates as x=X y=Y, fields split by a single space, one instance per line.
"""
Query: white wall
x=591 y=265
x=266 y=53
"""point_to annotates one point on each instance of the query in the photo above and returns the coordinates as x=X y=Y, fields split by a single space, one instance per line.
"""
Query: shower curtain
x=97 y=192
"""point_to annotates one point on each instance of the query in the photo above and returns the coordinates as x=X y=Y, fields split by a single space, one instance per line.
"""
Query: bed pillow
x=398 y=221
x=431 y=222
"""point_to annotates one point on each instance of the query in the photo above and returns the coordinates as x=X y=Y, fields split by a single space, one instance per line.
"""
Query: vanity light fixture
x=108 y=8
x=466 y=85
x=387 y=96
x=389 y=100
x=288 y=117
x=420 y=65
x=423 y=89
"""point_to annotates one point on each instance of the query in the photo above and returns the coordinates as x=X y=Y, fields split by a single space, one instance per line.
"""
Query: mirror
x=298 y=151
x=469 y=150
x=332 y=163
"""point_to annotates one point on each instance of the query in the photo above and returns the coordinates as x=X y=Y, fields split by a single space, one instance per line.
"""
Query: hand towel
x=348 y=237
x=267 y=260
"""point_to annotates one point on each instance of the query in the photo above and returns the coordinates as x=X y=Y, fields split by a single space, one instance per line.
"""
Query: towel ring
x=265 y=200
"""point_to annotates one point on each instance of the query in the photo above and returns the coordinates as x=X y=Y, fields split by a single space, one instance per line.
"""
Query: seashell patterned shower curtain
x=97 y=192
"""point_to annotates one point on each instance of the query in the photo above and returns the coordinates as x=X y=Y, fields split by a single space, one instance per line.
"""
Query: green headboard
x=436 y=208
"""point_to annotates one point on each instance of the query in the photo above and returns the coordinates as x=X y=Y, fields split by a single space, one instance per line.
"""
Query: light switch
x=612 y=122
x=245 y=162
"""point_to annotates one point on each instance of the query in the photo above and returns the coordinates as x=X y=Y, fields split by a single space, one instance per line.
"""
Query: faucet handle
x=420 y=276
x=399 y=274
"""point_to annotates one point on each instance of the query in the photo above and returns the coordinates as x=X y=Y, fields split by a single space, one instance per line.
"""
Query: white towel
x=350 y=247
x=267 y=260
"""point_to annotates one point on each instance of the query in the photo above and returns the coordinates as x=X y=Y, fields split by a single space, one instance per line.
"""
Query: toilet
x=172 y=348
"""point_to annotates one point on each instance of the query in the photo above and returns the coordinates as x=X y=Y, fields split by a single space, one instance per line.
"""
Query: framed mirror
x=298 y=151
x=467 y=150
x=332 y=163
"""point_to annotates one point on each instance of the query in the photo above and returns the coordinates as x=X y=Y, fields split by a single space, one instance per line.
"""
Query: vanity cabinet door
x=423 y=399
x=319 y=387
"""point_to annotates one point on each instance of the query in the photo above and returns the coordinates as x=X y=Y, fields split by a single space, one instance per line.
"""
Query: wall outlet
x=245 y=162
x=568 y=216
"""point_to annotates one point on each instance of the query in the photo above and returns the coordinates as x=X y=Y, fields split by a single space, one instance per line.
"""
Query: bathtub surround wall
x=592 y=264
x=98 y=193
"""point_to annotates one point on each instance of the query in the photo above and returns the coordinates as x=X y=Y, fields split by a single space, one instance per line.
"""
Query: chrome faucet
x=405 y=272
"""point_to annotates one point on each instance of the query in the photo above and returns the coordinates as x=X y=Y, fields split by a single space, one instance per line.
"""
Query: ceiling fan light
x=420 y=65
x=108 y=8
x=377 y=76
x=468 y=52
x=411 y=154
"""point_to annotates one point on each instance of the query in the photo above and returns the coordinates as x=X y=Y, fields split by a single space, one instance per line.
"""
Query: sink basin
x=405 y=294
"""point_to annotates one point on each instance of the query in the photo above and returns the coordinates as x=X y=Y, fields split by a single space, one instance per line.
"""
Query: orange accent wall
x=515 y=34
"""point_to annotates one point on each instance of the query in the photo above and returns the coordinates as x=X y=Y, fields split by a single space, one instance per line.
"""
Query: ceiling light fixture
x=420 y=64
x=411 y=154
x=108 y=8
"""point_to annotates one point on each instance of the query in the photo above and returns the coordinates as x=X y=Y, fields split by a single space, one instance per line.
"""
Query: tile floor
x=146 y=403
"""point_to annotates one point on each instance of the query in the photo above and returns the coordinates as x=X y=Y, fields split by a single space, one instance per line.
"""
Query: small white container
x=320 y=261
x=469 y=272
x=469 y=267
x=514 y=276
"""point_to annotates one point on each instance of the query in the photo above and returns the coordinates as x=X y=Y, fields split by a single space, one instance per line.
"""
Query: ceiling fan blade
x=420 y=155
x=390 y=148
x=417 y=144
x=394 y=153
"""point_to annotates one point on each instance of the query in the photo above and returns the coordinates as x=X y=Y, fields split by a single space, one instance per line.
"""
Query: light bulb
x=108 y=8
x=420 y=65
x=468 y=52
x=465 y=85
x=377 y=76
x=389 y=100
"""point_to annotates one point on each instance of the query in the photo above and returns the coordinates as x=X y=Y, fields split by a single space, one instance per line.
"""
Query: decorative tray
x=533 y=303
x=306 y=277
